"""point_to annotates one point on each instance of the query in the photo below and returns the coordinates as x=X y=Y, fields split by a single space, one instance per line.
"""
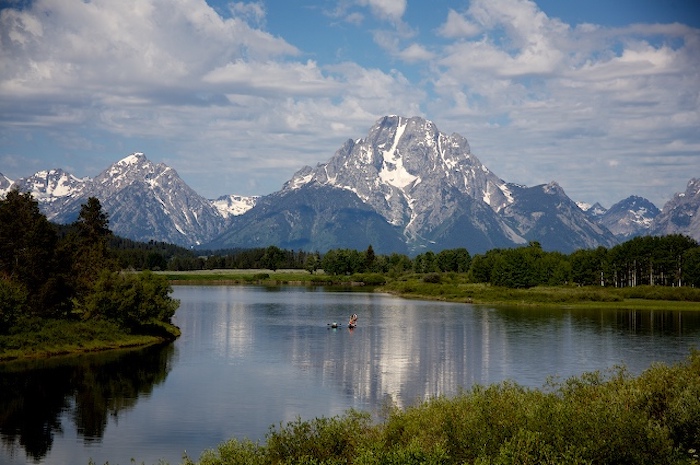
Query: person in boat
x=353 y=320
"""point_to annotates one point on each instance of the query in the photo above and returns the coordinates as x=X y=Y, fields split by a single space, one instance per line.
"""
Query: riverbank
x=50 y=338
x=455 y=287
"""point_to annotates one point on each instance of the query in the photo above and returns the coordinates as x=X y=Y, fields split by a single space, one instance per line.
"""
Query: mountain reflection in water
x=36 y=394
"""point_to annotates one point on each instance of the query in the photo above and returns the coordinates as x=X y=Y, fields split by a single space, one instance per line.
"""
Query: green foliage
x=130 y=299
x=343 y=262
x=369 y=279
x=324 y=440
x=433 y=278
x=13 y=300
x=41 y=337
x=596 y=418
x=28 y=253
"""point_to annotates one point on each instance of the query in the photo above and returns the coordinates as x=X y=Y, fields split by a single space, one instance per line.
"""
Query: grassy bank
x=455 y=287
x=597 y=418
x=268 y=277
x=44 y=338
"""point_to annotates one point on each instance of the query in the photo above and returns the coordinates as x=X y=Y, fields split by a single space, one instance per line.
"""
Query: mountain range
x=405 y=187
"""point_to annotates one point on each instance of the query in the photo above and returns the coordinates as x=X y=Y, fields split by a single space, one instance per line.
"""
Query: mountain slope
x=630 y=217
x=681 y=214
x=547 y=215
x=313 y=217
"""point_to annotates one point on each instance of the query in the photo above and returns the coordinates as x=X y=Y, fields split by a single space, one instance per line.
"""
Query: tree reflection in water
x=90 y=387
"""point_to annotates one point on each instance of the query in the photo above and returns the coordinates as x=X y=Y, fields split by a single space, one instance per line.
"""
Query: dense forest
x=49 y=272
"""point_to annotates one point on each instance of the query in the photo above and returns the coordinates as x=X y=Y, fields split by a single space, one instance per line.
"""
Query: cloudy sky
x=601 y=96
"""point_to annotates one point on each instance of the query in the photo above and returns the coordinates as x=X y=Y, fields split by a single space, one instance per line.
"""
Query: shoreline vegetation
x=55 y=338
x=456 y=287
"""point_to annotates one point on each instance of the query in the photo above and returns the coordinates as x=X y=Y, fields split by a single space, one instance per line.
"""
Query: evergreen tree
x=89 y=244
x=27 y=253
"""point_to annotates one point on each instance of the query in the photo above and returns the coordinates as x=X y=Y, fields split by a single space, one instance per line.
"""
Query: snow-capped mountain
x=405 y=187
x=594 y=211
x=144 y=201
x=681 y=214
x=53 y=189
x=630 y=217
x=545 y=214
x=429 y=191
x=150 y=201
x=234 y=205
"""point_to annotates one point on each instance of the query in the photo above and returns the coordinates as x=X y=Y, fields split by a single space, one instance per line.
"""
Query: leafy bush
x=130 y=299
x=326 y=440
x=369 y=279
x=433 y=278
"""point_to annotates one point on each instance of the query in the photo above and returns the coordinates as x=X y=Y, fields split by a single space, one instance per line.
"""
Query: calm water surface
x=250 y=357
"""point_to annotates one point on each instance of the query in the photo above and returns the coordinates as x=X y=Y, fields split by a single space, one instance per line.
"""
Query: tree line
x=70 y=272
x=672 y=260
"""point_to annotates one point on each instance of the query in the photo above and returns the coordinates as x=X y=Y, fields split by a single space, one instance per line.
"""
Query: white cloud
x=253 y=12
x=457 y=26
x=414 y=53
x=391 y=10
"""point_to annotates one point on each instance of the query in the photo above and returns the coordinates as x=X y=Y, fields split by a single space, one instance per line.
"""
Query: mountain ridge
x=405 y=186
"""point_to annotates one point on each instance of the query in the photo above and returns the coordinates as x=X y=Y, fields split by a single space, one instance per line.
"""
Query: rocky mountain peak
x=403 y=168
x=681 y=214
x=630 y=217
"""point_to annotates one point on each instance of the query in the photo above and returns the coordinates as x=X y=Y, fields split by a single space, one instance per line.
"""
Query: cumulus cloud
x=570 y=94
x=392 y=10
x=458 y=26
x=538 y=99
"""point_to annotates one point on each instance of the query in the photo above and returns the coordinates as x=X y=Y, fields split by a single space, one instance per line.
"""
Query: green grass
x=455 y=288
x=44 y=338
x=596 y=418
x=269 y=277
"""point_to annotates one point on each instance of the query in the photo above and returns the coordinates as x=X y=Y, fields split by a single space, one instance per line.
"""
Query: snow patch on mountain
x=234 y=205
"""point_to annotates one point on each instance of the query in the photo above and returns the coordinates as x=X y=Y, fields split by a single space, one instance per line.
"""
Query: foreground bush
x=596 y=418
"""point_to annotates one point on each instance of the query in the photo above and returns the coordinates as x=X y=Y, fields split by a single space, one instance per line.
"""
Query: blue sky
x=602 y=97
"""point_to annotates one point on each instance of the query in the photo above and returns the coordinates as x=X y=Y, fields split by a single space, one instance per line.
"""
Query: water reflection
x=91 y=388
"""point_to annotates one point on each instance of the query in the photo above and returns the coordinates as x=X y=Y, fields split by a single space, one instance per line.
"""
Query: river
x=251 y=356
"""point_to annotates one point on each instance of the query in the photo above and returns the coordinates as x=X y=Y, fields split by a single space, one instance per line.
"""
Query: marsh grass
x=596 y=418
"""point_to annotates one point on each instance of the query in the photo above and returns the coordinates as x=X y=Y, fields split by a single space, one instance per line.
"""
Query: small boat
x=351 y=325
x=333 y=325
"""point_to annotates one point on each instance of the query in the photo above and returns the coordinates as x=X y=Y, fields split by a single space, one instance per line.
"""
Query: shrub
x=327 y=440
x=130 y=299
x=433 y=278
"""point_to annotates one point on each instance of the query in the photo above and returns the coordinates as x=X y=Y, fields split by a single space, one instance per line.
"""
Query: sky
x=600 y=96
